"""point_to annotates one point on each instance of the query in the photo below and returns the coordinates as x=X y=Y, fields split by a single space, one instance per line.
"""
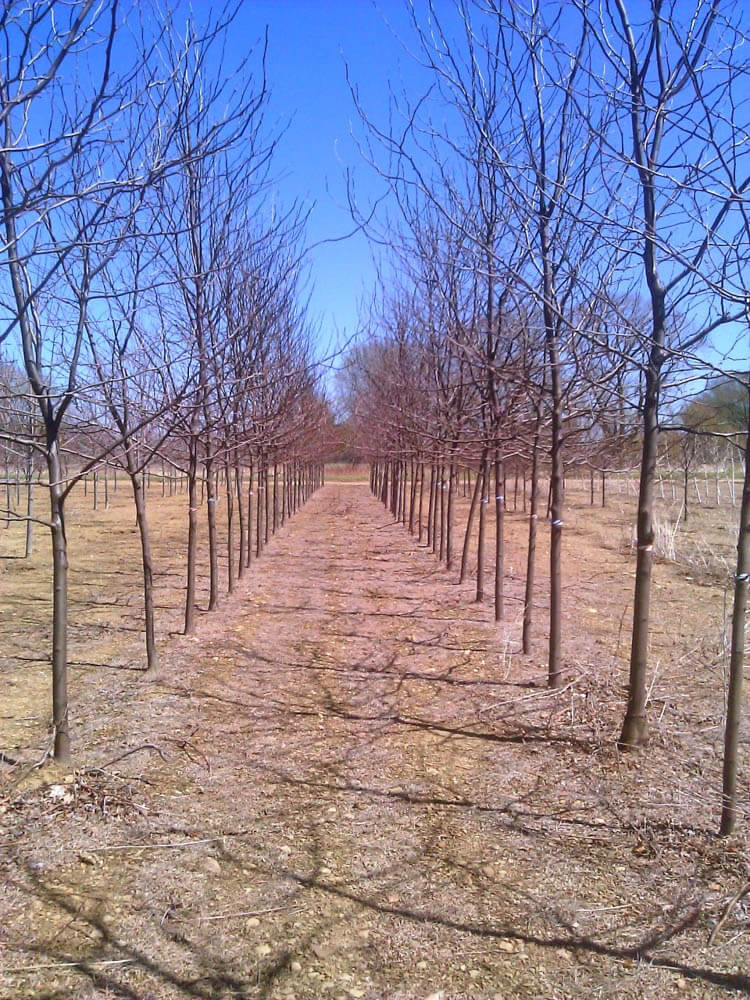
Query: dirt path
x=343 y=787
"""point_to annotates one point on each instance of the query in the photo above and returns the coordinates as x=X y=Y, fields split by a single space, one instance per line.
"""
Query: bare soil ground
x=350 y=785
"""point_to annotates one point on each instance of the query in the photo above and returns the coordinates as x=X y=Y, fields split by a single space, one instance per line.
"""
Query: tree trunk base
x=634 y=733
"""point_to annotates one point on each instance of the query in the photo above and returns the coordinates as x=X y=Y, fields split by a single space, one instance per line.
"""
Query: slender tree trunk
x=213 y=546
x=275 y=497
x=635 y=727
x=450 y=516
x=557 y=489
x=29 y=501
x=441 y=482
x=431 y=509
x=412 y=497
x=266 y=505
x=192 y=544
x=469 y=525
x=729 y=809
x=436 y=510
x=421 y=499
x=229 y=497
x=528 y=600
x=482 y=526
x=147 y=564
x=241 y=519
x=259 y=509
x=60 y=720
x=286 y=510
x=499 y=537
x=401 y=501
x=250 y=522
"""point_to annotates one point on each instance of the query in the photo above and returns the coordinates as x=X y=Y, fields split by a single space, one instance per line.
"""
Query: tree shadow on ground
x=119 y=965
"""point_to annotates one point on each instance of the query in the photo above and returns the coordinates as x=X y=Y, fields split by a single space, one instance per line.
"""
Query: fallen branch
x=164 y=847
x=727 y=910
x=243 y=913
x=72 y=965
x=128 y=753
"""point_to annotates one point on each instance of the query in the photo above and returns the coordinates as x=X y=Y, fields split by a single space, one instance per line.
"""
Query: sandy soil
x=349 y=785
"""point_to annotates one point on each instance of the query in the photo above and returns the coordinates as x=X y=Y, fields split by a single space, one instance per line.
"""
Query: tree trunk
x=213 y=545
x=469 y=526
x=556 y=511
x=421 y=499
x=242 y=548
x=482 y=525
x=250 y=523
x=635 y=727
x=441 y=482
x=412 y=497
x=275 y=497
x=528 y=599
x=192 y=544
x=60 y=720
x=286 y=507
x=29 y=504
x=685 y=492
x=259 y=510
x=229 y=496
x=431 y=509
x=450 y=516
x=499 y=537
x=729 y=809
x=148 y=571
x=266 y=505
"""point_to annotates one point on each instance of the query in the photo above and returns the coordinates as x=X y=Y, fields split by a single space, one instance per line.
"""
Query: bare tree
x=672 y=73
x=56 y=185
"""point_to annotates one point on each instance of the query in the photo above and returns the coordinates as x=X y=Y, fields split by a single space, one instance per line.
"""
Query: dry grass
x=351 y=784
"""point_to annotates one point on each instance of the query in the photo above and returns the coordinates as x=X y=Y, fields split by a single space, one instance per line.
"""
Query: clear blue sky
x=310 y=43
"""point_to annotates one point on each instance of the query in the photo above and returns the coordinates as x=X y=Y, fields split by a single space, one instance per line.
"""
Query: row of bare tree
x=152 y=289
x=568 y=255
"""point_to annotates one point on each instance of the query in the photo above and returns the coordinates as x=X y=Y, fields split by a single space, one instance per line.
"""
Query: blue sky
x=310 y=44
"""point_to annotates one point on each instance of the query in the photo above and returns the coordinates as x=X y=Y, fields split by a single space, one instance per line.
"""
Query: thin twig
x=728 y=909
x=161 y=847
x=71 y=965
x=14 y=780
x=243 y=913
x=128 y=753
